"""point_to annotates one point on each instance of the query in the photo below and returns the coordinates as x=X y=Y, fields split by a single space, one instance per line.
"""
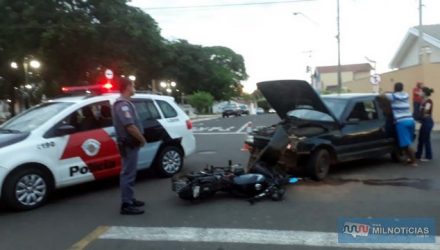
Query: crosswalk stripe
x=250 y=236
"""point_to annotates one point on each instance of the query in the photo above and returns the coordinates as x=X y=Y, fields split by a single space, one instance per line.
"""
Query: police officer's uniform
x=124 y=114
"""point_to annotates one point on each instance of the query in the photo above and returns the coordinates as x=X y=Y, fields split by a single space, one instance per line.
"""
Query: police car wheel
x=26 y=188
x=169 y=161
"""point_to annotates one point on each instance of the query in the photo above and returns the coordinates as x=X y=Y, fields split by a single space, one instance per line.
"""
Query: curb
x=204 y=118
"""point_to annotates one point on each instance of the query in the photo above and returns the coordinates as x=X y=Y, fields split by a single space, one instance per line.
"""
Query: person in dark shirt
x=427 y=125
x=130 y=139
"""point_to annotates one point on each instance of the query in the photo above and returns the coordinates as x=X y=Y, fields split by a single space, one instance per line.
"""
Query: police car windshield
x=34 y=117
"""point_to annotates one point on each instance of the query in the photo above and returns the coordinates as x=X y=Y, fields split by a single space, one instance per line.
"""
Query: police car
x=71 y=140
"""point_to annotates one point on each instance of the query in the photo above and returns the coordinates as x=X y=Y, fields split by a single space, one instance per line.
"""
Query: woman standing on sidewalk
x=426 y=128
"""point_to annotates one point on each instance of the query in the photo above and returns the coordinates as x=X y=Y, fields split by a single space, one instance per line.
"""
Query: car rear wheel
x=169 y=161
x=26 y=188
x=319 y=164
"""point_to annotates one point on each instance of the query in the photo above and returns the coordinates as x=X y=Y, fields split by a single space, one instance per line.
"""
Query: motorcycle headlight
x=258 y=186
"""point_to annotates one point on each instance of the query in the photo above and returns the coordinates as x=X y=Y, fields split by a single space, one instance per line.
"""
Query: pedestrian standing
x=130 y=140
x=403 y=121
x=426 y=127
x=417 y=96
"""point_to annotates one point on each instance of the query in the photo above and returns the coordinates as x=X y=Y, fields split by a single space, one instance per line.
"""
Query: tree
x=247 y=97
x=217 y=70
x=77 y=40
x=262 y=103
x=202 y=101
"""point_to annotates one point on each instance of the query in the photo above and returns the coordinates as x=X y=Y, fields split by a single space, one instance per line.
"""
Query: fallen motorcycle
x=260 y=182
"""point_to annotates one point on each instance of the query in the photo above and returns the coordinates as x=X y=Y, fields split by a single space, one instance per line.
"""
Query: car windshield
x=310 y=115
x=337 y=106
x=34 y=117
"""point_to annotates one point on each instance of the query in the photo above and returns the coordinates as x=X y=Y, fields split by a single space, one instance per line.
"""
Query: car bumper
x=189 y=145
x=3 y=174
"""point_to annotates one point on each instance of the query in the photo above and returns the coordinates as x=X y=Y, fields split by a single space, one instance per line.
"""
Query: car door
x=152 y=131
x=90 y=152
x=362 y=130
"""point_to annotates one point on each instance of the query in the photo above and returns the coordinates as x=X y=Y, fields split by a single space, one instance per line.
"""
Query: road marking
x=218 y=133
x=84 y=242
x=249 y=236
x=243 y=127
x=211 y=129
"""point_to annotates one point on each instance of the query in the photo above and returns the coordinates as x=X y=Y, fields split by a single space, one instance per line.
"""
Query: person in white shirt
x=403 y=120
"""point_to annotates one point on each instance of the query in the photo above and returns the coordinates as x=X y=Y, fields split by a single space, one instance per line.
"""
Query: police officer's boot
x=130 y=209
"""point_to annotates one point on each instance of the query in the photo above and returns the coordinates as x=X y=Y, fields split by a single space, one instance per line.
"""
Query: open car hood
x=288 y=95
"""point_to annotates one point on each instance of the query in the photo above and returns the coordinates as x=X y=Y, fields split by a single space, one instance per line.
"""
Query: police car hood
x=7 y=138
x=288 y=95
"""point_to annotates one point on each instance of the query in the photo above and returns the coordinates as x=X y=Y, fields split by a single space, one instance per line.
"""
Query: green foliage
x=202 y=101
x=217 y=70
x=262 y=103
x=77 y=40
x=247 y=97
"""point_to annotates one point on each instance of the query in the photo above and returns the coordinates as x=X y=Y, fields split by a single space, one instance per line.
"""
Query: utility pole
x=338 y=37
x=420 y=40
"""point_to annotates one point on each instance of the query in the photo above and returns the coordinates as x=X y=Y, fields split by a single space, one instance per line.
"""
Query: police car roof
x=106 y=96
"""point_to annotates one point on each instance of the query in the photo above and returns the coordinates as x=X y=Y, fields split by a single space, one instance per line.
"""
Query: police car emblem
x=91 y=147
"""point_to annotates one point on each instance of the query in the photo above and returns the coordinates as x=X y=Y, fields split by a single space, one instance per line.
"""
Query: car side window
x=146 y=110
x=363 y=111
x=371 y=109
x=167 y=110
x=93 y=116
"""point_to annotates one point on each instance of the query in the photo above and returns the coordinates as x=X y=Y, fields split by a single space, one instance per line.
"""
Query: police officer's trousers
x=128 y=174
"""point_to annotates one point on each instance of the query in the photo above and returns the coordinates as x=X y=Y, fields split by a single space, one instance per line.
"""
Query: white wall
x=435 y=55
x=411 y=58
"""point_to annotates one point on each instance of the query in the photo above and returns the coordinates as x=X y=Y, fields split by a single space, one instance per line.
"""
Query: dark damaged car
x=319 y=131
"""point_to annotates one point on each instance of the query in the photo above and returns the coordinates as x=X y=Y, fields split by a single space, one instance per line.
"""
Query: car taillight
x=189 y=124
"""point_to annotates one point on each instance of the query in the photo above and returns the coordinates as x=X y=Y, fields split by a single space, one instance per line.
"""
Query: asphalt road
x=86 y=216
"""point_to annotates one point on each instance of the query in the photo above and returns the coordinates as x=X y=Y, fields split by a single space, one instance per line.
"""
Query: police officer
x=130 y=139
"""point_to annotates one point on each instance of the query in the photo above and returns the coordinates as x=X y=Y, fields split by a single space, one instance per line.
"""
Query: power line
x=222 y=5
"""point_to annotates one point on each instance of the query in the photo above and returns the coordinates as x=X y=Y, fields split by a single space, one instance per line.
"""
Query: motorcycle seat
x=248 y=179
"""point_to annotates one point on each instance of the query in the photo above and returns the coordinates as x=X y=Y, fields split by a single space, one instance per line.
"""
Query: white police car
x=71 y=140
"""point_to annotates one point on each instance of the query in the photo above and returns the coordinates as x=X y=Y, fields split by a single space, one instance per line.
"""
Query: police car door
x=175 y=124
x=90 y=152
x=152 y=131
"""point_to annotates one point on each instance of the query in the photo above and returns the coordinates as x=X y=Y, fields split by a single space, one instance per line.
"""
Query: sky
x=277 y=44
